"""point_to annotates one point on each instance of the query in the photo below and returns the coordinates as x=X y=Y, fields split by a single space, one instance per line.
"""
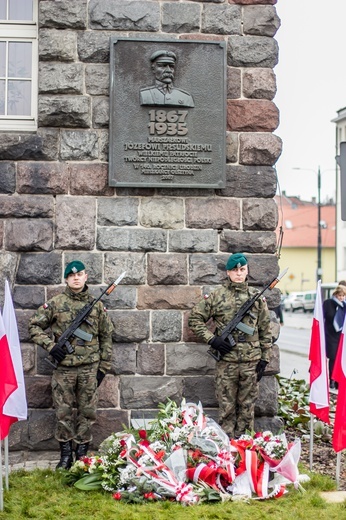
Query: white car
x=294 y=301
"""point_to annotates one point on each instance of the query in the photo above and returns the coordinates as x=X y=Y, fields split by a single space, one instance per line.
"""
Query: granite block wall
x=56 y=205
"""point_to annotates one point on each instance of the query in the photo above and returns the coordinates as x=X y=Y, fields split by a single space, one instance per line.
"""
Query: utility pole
x=319 y=240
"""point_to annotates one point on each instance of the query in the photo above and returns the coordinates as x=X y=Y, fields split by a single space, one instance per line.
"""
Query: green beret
x=74 y=267
x=236 y=260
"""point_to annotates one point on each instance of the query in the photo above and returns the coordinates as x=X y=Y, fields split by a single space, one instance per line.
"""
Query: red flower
x=160 y=454
x=197 y=454
x=142 y=434
x=116 y=496
x=122 y=453
x=86 y=460
x=145 y=443
x=149 y=496
x=122 y=442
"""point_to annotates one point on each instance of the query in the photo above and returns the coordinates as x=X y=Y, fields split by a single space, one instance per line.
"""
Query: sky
x=311 y=87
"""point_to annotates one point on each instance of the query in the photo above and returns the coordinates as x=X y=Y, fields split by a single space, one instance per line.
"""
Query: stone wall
x=56 y=205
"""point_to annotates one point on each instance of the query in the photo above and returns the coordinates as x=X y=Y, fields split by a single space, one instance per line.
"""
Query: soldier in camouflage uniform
x=241 y=367
x=75 y=381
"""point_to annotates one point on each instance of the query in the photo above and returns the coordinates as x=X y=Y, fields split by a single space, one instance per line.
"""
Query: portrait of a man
x=163 y=92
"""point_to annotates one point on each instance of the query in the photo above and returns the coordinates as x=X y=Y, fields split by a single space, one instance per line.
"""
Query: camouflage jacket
x=222 y=305
x=53 y=318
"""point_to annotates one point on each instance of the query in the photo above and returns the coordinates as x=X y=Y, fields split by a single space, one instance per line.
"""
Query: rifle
x=74 y=331
x=236 y=322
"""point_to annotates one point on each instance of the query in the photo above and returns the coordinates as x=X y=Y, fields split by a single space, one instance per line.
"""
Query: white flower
x=267 y=433
x=127 y=474
x=245 y=437
x=145 y=460
x=157 y=446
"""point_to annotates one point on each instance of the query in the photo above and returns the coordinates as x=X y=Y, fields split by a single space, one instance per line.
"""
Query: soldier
x=78 y=375
x=242 y=367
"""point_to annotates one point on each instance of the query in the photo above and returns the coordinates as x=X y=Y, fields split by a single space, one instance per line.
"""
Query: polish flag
x=15 y=407
x=339 y=375
x=319 y=380
x=8 y=381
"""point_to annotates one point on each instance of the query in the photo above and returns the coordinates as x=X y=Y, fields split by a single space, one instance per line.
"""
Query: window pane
x=2 y=9
x=2 y=59
x=21 y=10
x=19 y=98
x=2 y=98
x=19 y=59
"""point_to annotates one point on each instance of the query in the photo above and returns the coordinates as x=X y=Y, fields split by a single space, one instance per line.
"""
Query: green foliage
x=293 y=401
x=293 y=397
x=88 y=483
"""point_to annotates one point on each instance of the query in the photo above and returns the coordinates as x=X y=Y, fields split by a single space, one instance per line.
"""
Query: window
x=18 y=64
x=344 y=259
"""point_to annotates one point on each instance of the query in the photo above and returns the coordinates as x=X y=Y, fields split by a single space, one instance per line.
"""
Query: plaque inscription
x=170 y=132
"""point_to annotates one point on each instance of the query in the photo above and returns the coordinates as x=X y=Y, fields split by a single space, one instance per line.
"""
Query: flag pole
x=6 y=462
x=338 y=465
x=311 y=440
x=1 y=484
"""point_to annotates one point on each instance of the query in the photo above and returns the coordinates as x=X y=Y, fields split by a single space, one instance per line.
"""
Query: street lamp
x=319 y=237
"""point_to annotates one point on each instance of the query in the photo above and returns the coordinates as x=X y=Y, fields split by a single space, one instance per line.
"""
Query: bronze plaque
x=167 y=113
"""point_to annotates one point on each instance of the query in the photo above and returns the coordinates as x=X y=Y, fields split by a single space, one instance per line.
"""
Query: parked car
x=309 y=299
x=294 y=301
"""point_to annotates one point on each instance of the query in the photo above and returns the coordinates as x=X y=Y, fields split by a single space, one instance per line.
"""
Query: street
x=294 y=344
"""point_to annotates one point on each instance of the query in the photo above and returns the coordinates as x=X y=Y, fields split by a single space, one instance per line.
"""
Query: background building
x=299 y=221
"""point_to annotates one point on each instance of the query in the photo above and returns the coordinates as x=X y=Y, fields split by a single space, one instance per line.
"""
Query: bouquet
x=184 y=455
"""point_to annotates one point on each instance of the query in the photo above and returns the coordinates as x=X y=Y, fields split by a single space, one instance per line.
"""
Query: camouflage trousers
x=75 y=387
x=237 y=391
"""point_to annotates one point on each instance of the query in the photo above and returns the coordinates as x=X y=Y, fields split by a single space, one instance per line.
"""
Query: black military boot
x=81 y=450
x=66 y=458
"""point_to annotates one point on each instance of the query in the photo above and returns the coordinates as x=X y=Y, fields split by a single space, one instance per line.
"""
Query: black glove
x=260 y=368
x=58 y=353
x=219 y=344
x=100 y=376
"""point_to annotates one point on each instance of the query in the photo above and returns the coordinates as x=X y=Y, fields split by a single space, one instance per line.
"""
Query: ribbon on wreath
x=193 y=415
x=256 y=471
x=219 y=471
x=162 y=475
x=210 y=474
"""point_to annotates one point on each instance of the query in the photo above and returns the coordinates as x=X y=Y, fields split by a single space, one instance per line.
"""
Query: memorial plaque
x=167 y=113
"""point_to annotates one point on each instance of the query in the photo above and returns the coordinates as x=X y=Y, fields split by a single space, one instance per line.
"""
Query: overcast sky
x=311 y=87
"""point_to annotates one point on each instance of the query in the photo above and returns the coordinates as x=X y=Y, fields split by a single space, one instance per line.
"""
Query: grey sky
x=311 y=80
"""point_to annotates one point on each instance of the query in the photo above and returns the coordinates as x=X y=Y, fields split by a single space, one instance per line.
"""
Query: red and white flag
x=339 y=375
x=319 y=380
x=15 y=407
x=8 y=381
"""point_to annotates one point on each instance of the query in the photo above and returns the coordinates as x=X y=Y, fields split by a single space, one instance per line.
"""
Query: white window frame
x=23 y=31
